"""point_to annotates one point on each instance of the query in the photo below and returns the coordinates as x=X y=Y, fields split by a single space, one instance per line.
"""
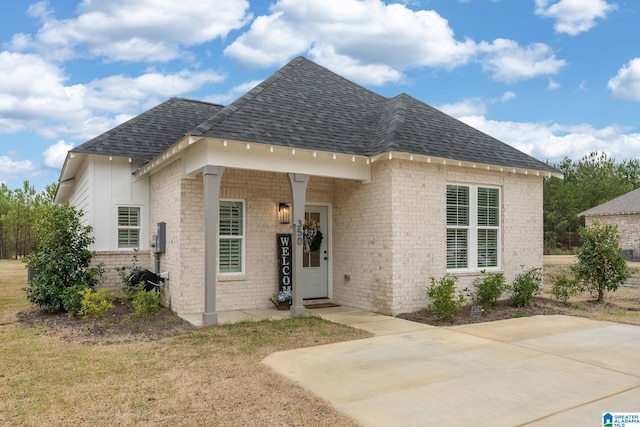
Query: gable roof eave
x=390 y=155
x=625 y=204
x=196 y=152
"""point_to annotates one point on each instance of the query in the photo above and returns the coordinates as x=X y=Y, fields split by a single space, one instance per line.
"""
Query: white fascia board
x=66 y=181
x=273 y=158
x=464 y=164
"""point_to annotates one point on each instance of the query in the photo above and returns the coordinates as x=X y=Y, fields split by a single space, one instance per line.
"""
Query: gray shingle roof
x=304 y=105
x=626 y=204
x=150 y=133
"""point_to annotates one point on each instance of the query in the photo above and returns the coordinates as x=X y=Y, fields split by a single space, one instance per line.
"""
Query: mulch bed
x=118 y=326
x=502 y=310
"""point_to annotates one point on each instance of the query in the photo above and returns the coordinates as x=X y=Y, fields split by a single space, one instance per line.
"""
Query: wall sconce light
x=283 y=213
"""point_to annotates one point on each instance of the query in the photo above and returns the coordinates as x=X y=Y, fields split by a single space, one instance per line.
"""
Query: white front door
x=315 y=255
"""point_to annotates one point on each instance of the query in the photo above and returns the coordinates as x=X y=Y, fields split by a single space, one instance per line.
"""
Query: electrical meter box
x=160 y=239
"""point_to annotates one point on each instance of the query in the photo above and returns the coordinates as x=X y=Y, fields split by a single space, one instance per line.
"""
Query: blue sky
x=553 y=78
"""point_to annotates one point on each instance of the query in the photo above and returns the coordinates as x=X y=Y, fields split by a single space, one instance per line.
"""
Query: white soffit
x=262 y=157
x=463 y=164
x=198 y=152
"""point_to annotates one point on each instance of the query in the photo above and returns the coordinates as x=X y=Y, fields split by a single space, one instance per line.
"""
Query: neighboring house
x=398 y=190
x=624 y=213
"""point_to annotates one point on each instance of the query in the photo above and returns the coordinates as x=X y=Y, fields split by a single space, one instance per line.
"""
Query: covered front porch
x=213 y=272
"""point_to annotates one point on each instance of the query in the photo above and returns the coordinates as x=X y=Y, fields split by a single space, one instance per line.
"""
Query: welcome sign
x=284 y=262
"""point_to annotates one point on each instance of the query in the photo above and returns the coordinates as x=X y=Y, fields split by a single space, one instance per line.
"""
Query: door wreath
x=312 y=235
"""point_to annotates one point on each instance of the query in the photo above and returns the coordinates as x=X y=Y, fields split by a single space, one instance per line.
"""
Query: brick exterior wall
x=390 y=262
x=116 y=259
x=628 y=229
x=388 y=235
x=165 y=205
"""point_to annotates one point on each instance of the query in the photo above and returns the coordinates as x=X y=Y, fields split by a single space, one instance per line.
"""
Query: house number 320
x=299 y=238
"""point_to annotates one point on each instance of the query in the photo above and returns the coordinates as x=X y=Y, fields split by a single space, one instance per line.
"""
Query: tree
x=592 y=180
x=19 y=210
x=600 y=266
x=5 y=203
x=61 y=257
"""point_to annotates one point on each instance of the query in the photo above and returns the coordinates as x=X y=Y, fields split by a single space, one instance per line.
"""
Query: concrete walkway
x=539 y=371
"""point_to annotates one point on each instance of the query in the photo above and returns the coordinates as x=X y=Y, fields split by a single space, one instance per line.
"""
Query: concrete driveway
x=540 y=371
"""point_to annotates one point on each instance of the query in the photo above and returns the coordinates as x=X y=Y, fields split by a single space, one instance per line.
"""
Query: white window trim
x=472 y=233
x=129 y=227
x=242 y=238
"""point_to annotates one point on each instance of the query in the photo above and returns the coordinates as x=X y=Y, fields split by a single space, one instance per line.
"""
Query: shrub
x=525 y=286
x=96 y=303
x=600 y=266
x=565 y=285
x=443 y=300
x=126 y=271
x=60 y=258
x=144 y=303
x=72 y=298
x=487 y=289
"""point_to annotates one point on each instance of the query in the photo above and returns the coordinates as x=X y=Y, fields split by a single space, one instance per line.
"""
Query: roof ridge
x=199 y=101
x=390 y=122
x=227 y=111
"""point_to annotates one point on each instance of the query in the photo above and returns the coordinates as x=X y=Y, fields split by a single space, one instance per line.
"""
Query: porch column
x=298 y=184
x=211 y=176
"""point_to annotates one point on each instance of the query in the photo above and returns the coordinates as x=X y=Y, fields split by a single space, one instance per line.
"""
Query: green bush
x=60 y=258
x=600 y=266
x=565 y=285
x=72 y=298
x=525 y=286
x=144 y=303
x=126 y=271
x=443 y=300
x=487 y=289
x=96 y=303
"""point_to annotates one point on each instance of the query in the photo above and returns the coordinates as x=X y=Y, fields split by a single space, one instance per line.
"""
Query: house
x=240 y=195
x=624 y=213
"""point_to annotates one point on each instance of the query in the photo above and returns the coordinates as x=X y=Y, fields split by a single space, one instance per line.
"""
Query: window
x=128 y=227
x=473 y=227
x=231 y=237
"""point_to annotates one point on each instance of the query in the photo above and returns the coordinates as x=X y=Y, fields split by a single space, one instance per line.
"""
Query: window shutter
x=128 y=227
x=488 y=207
x=230 y=256
x=128 y=238
x=456 y=248
x=231 y=219
x=488 y=248
x=457 y=205
x=231 y=234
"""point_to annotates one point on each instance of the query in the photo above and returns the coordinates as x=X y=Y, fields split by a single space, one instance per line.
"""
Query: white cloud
x=233 y=94
x=123 y=89
x=373 y=43
x=626 y=84
x=11 y=167
x=356 y=37
x=553 y=85
x=554 y=141
x=144 y=30
x=465 y=108
x=509 y=62
x=35 y=96
x=364 y=73
x=574 y=16
x=508 y=96
x=33 y=89
x=55 y=154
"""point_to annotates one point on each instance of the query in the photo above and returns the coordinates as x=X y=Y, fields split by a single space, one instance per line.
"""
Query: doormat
x=322 y=305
